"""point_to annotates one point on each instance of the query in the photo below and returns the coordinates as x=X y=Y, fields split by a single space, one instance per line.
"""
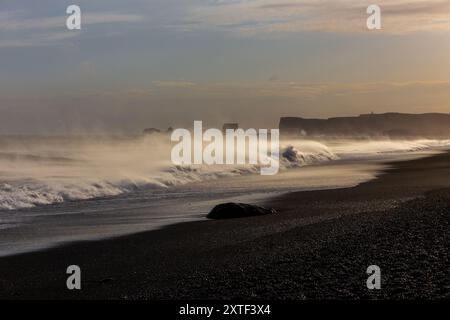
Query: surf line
x=234 y=147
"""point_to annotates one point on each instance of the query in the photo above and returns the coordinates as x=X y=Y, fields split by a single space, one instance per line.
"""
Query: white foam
x=47 y=171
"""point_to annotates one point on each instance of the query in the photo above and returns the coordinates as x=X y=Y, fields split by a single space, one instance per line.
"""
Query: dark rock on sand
x=237 y=210
x=318 y=247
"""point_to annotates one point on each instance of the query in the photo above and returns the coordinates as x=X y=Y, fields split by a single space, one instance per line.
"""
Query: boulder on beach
x=238 y=210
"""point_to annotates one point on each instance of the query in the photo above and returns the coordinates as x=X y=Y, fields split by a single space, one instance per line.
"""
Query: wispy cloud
x=250 y=17
x=40 y=39
x=174 y=84
x=292 y=89
x=12 y=22
x=19 y=31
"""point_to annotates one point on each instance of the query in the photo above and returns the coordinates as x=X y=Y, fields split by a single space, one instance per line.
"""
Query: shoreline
x=252 y=189
x=250 y=257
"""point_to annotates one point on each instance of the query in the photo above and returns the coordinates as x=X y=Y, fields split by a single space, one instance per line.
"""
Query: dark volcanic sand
x=319 y=246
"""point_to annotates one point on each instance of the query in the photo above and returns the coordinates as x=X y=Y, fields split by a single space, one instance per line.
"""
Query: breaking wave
x=42 y=171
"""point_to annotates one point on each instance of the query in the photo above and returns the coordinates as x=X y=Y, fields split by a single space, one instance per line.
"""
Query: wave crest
x=99 y=169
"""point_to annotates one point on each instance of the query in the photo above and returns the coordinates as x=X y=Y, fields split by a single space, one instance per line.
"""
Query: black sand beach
x=318 y=247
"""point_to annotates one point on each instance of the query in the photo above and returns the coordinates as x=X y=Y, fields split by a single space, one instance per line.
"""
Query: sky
x=160 y=63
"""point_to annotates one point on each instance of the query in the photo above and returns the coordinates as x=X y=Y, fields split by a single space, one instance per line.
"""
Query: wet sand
x=318 y=247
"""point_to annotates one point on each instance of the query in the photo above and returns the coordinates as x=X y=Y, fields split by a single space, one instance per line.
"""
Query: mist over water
x=45 y=170
x=55 y=190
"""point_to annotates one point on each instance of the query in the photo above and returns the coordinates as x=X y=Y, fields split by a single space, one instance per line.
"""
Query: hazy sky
x=155 y=63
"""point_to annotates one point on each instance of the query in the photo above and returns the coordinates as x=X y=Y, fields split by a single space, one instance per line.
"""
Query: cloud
x=44 y=39
x=291 y=90
x=174 y=84
x=11 y=21
x=273 y=17
x=44 y=31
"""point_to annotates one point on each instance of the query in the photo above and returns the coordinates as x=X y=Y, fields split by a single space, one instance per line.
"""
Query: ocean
x=55 y=190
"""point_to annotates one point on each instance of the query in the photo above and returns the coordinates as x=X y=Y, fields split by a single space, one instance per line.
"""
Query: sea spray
x=41 y=170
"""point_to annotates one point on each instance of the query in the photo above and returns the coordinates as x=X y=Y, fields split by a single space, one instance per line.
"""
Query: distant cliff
x=396 y=125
